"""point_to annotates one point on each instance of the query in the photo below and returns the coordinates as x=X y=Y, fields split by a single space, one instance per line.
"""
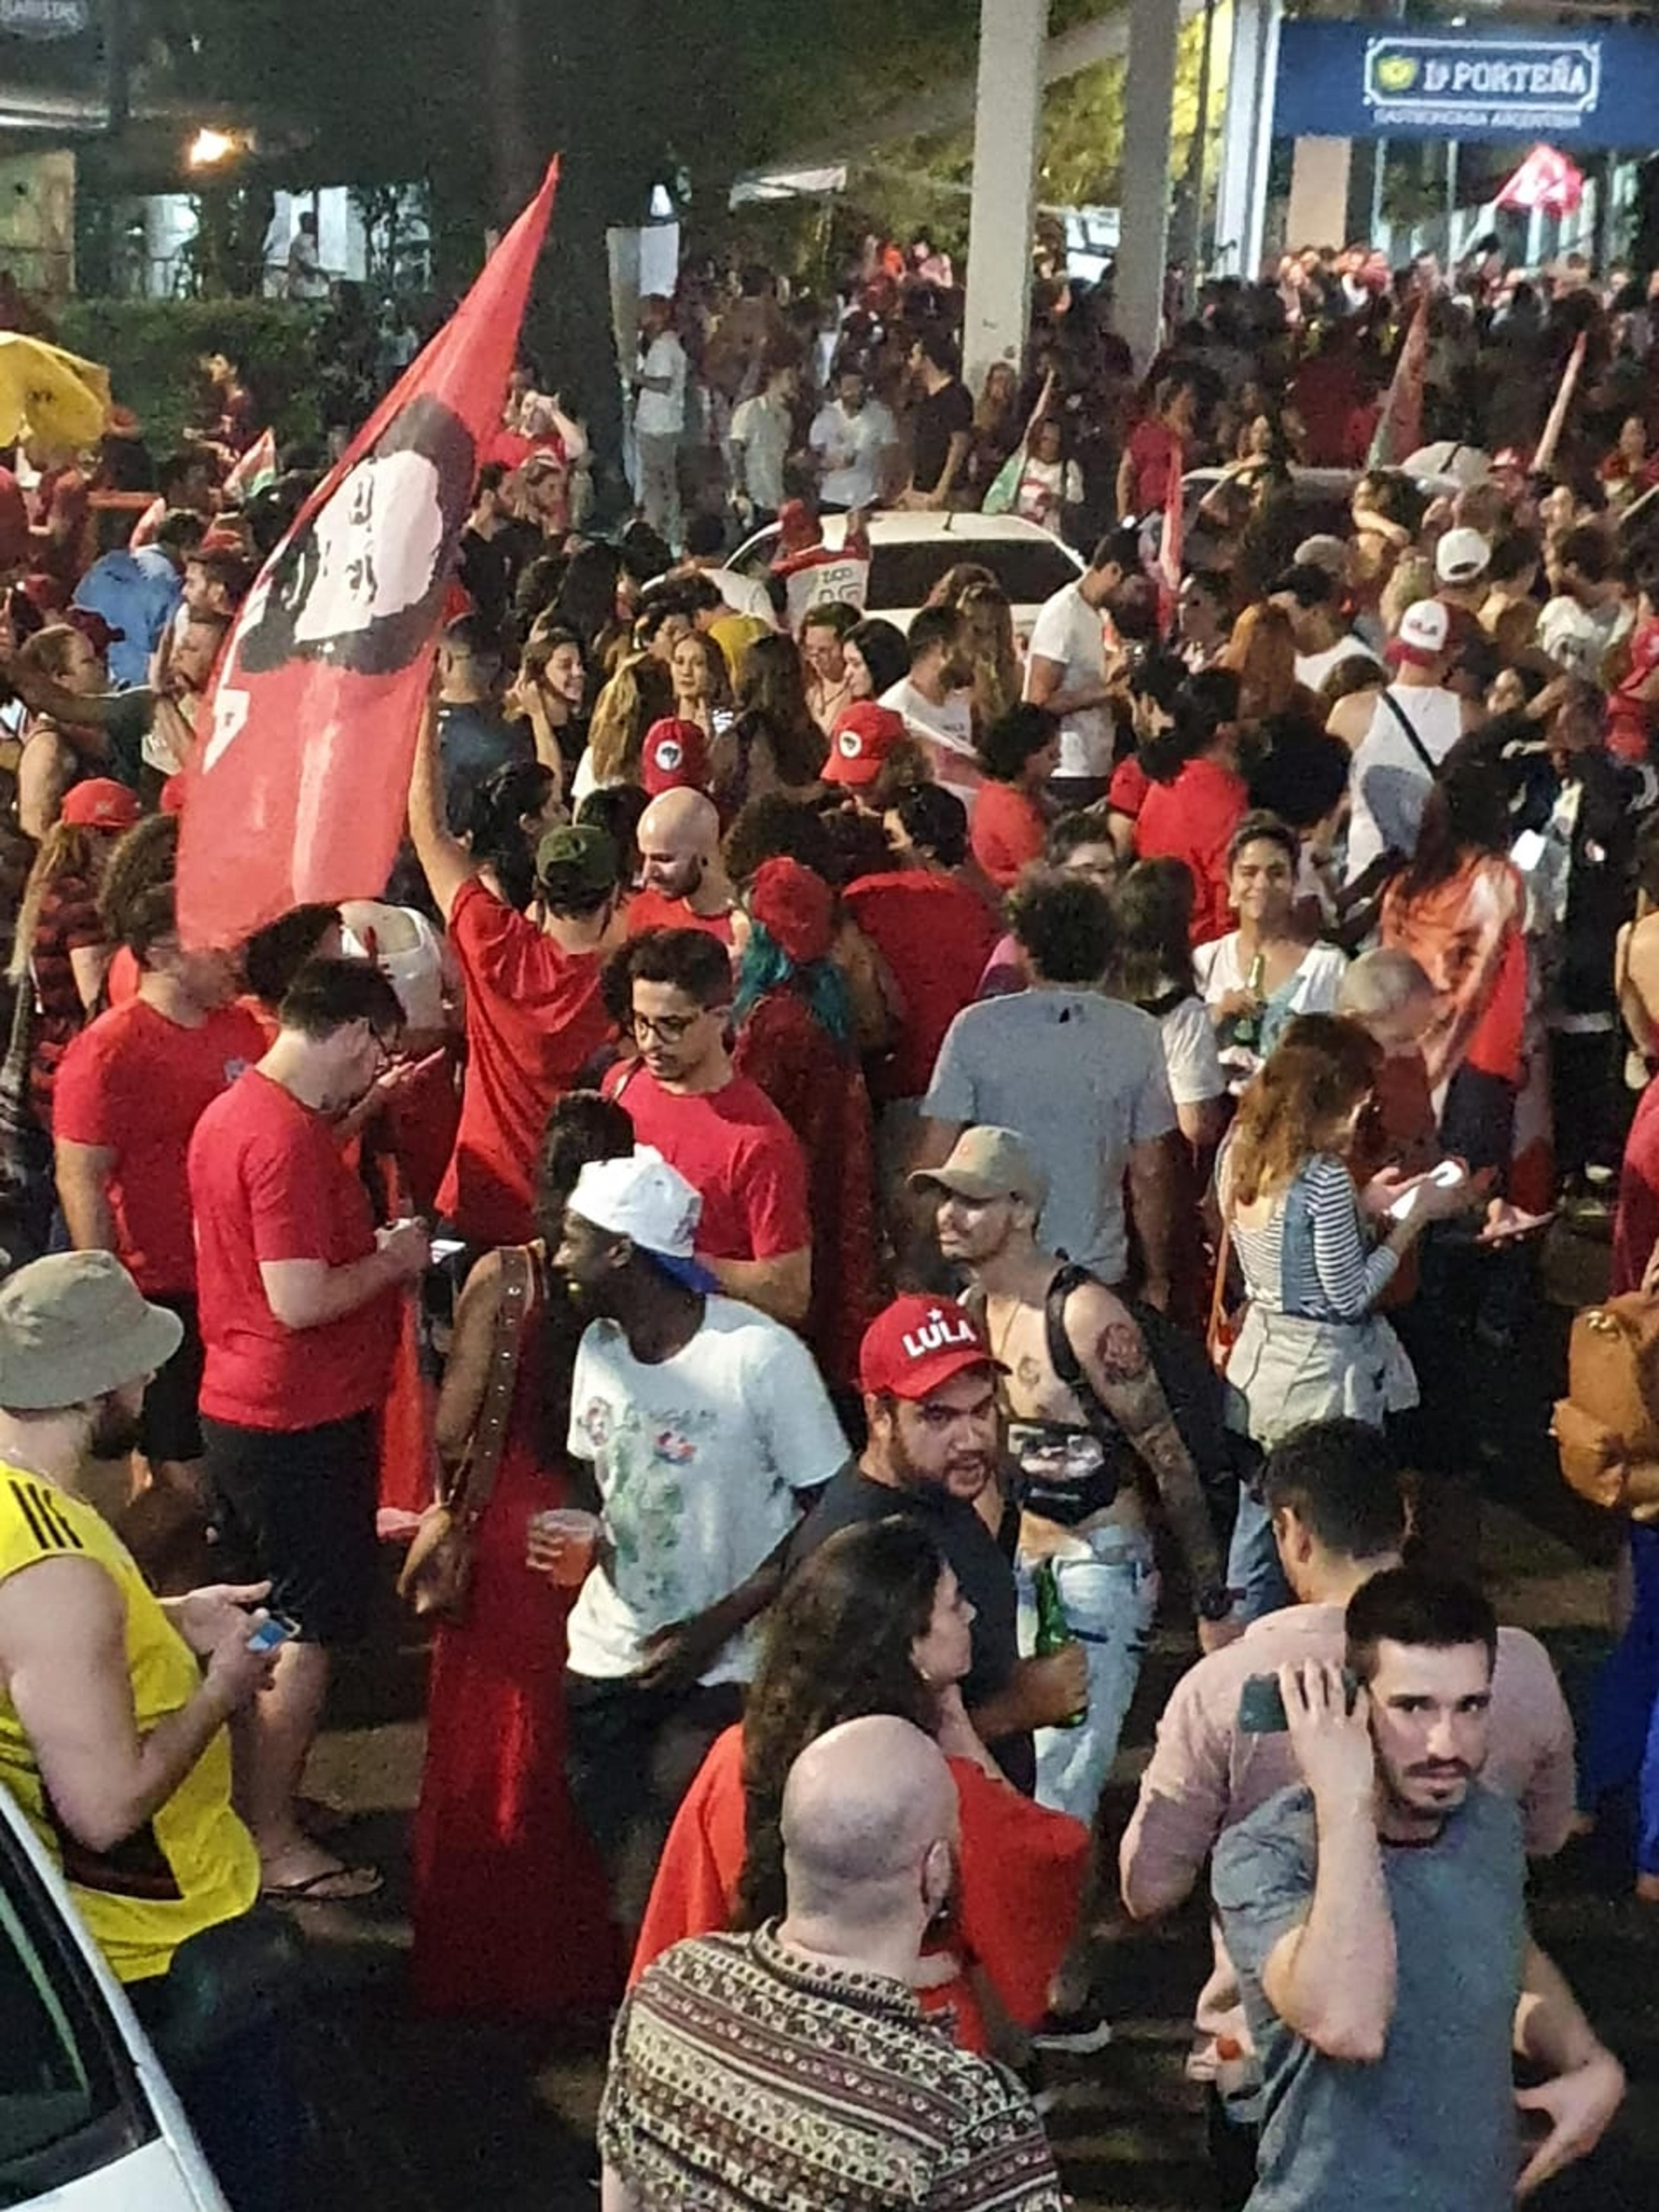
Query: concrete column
x=1318 y=213
x=1148 y=96
x=1008 y=103
x=1247 y=138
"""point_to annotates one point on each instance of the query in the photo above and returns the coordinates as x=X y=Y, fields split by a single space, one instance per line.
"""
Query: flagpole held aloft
x=297 y=786
x=1544 y=459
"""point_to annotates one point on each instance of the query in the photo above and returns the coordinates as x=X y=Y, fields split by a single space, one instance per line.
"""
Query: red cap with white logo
x=918 y=1344
x=865 y=734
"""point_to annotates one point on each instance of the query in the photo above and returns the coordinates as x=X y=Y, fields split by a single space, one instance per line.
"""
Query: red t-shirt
x=1127 y=792
x=649 y=909
x=135 y=1084
x=1154 y=448
x=1007 y=831
x=935 y=935
x=733 y=1146
x=1193 y=819
x=1629 y=723
x=533 y=1017
x=267 y=1182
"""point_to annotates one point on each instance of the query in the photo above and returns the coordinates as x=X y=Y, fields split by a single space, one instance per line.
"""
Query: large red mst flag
x=297 y=790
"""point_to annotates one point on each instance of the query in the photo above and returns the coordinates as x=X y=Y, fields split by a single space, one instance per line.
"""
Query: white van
x=89 y=2122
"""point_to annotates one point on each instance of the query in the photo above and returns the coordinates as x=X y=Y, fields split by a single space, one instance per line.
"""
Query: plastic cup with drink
x=562 y=1541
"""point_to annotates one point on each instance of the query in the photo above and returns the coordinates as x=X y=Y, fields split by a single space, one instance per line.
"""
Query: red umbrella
x=1545 y=180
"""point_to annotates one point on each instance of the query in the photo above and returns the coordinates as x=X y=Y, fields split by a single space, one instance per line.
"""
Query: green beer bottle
x=1054 y=1631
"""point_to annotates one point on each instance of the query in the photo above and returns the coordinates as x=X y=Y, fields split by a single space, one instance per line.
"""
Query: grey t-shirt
x=1431 y=2126
x=1081 y=1078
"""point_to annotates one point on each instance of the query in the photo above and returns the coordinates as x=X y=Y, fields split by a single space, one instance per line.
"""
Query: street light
x=210 y=147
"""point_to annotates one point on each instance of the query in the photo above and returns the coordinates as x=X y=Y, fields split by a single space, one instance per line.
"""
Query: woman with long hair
x=702 y=684
x=1152 y=969
x=1459 y=910
x=50 y=759
x=510 y=1907
x=1262 y=653
x=773 y=744
x=1312 y=1347
x=873 y=1622
x=61 y=948
x=796 y=1038
x=639 y=694
x=1260 y=976
x=876 y=657
x=512 y=811
x=550 y=692
x=989 y=649
x=996 y=428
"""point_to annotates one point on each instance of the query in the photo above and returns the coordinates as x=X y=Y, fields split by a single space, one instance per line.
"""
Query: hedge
x=151 y=349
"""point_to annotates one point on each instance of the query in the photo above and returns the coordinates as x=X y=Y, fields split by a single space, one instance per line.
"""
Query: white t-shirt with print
x=1069 y=630
x=697 y=1459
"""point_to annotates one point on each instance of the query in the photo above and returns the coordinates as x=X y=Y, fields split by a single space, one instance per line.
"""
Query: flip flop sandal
x=315 y=1889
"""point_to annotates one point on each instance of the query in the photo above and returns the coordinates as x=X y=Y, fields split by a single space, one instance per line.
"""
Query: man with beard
x=114 y=1704
x=930 y=1398
x=701 y=1419
x=935 y=703
x=299 y=1301
x=1081 y=1433
x=682 y=884
x=717 y=1128
x=1377 y=1919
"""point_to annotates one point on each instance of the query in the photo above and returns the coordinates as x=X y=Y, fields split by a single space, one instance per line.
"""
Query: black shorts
x=170 y=1427
x=298 y=1506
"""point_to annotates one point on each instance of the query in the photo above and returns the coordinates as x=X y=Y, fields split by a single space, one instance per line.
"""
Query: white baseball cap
x=639 y=1196
x=1423 y=632
x=1461 y=557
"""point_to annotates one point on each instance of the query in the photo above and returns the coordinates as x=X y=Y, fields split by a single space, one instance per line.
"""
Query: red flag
x=256 y=469
x=1399 y=426
x=1170 y=548
x=1545 y=180
x=298 y=788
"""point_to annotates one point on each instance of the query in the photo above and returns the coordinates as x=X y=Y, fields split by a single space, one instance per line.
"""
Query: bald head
x=863 y=1809
x=679 y=838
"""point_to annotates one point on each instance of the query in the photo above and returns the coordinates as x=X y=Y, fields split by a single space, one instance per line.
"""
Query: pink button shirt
x=1204 y=1775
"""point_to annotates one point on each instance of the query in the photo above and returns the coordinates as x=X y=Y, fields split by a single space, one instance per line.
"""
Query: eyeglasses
x=667 y=1029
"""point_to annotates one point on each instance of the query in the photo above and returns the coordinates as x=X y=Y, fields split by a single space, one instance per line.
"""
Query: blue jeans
x=1108 y=1587
x=1621 y=1744
x=1252 y=1561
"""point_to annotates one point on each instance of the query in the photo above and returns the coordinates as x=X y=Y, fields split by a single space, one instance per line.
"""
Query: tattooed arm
x=1120 y=1371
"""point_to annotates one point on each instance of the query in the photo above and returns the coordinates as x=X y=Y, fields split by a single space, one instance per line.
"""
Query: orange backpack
x=1606 y=1427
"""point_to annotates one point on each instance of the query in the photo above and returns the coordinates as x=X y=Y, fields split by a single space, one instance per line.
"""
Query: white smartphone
x=1446 y=1177
x=1527 y=850
x=446 y=1247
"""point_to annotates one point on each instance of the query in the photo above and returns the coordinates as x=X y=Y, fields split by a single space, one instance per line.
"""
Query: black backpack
x=1189 y=1381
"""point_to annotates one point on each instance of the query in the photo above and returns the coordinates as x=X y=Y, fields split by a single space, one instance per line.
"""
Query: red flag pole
x=296 y=787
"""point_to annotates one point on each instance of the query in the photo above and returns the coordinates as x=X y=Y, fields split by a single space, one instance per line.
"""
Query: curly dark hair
x=837 y=1648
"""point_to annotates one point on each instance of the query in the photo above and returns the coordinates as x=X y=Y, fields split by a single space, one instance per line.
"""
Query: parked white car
x=911 y=550
x=89 y=2122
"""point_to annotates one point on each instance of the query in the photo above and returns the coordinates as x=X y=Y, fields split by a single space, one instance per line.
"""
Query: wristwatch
x=1212 y=1602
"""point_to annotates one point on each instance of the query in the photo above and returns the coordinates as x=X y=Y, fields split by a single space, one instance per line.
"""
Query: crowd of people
x=846 y=1174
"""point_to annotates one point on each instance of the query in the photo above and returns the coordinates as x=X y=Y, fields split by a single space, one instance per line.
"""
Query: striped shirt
x=745 y=2078
x=1311 y=1257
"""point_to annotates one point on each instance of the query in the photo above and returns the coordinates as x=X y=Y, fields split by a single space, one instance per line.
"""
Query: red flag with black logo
x=297 y=787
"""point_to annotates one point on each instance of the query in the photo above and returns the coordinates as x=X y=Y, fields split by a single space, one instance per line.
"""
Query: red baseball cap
x=865 y=734
x=99 y=803
x=919 y=1344
x=674 y=757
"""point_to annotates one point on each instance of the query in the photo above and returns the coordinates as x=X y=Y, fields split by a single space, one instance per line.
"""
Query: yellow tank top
x=193 y=1863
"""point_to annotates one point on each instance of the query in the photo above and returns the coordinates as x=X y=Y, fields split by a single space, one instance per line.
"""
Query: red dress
x=510 y=1909
x=820 y=1089
x=1020 y=1879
